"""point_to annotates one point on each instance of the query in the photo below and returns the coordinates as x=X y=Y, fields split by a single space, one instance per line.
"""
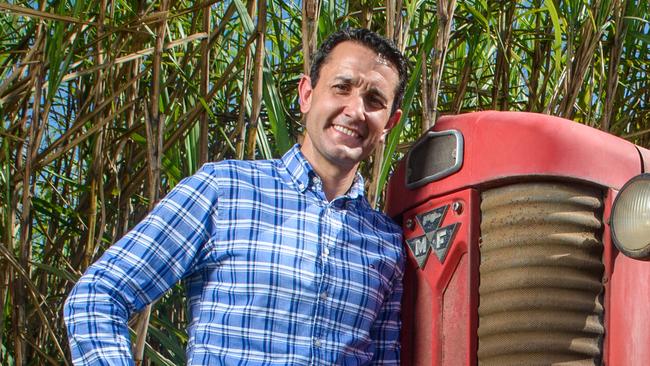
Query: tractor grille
x=540 y=276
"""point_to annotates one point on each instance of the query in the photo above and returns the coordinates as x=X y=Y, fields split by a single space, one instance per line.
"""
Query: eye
x=376 y=102
x=341 y=87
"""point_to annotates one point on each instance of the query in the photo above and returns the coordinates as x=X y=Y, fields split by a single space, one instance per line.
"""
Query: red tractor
x=528 y=240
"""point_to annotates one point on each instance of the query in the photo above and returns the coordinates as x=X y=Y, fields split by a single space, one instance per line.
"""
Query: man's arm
x=386 y=330
x=137 y=270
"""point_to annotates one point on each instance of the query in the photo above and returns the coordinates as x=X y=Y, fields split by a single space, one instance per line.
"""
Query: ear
x=304 y=93
x=392 y=122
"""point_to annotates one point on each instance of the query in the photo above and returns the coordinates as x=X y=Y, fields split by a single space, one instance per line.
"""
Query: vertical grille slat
x=540 y=275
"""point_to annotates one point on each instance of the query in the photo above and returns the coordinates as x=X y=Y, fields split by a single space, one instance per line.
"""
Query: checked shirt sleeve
x=137 y=270
x=386 y=330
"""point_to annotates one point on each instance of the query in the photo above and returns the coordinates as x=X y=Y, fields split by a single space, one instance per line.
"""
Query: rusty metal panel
x=453 y=309
x=541 y=275
x=440 y=301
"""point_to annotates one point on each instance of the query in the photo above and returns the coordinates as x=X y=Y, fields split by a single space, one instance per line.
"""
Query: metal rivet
x=457 y=207
x=410 y=224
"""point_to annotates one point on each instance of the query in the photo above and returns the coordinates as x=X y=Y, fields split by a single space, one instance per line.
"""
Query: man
x=284 y=261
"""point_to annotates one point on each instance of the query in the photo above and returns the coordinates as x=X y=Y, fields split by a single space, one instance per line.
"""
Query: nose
x=355 y=107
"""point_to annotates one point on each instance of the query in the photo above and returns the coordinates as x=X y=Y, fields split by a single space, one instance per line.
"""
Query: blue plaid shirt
x=275 y=274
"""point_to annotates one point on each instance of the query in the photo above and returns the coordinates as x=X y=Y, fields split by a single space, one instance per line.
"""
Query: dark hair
x=372 y=40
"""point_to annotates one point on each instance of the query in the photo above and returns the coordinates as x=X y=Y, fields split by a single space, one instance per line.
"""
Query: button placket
x=328 y=251
x=322 y=294
x=326 y=242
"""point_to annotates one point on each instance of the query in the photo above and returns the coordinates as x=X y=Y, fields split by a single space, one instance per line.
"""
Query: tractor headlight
x=630 y=219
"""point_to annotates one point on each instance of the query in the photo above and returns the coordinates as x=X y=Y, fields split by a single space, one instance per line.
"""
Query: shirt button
x=317 y=342
x=323 y=295
x=326 y=252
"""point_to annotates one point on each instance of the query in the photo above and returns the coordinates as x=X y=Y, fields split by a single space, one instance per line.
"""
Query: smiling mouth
x=346 y=131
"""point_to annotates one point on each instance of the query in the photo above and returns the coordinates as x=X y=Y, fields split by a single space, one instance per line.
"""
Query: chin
x=351 y=157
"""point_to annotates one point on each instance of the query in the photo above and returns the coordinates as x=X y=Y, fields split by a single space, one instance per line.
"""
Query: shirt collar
x=301 y=173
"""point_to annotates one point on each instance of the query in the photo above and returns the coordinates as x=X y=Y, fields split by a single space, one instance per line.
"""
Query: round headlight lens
x=630 y=219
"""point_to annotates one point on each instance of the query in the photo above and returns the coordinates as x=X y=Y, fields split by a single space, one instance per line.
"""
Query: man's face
x=348 y=111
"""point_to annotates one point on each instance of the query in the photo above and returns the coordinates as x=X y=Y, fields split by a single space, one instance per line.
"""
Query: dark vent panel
x=433 y=157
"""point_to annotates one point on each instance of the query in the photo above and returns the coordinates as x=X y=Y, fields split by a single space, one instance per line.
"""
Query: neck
x=336 y=184
x=336 y=179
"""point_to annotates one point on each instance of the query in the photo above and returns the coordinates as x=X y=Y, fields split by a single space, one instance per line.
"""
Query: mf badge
x=435 y=239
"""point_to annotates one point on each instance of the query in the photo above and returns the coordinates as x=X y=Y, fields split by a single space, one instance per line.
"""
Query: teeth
x=345 y=130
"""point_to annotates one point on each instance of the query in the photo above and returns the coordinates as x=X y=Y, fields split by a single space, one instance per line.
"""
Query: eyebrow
x=344 y=78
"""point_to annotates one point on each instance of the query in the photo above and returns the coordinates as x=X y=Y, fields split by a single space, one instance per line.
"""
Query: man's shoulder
x=234 y=169
x=239 y=174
